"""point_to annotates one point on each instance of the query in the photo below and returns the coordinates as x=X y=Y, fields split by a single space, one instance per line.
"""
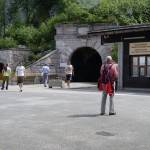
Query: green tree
x=30 y=11
x=124 y=12
x=33 y=21
x=7 y=42
x=2 y=18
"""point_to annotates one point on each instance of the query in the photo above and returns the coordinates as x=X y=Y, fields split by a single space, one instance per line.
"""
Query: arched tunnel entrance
x=86 y=62
x=1 y=68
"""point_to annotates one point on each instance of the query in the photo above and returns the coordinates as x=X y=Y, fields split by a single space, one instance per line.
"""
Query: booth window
x=140 y=66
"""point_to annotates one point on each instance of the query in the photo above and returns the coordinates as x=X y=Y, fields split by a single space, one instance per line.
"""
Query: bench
x=39 y=78
x=28 y=79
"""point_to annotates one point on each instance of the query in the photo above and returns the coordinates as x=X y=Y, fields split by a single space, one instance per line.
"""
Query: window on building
x=140 y=66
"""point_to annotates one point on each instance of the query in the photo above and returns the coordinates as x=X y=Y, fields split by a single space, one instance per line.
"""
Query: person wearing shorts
x=20 y=73
x=69 y=73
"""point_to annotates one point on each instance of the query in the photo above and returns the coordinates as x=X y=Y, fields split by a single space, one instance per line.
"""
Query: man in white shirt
x=69 y=72
x=21 y=74
x=45 y=70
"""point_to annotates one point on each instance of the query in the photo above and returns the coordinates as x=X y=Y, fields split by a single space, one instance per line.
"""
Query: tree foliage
x=31 y=22
x=32 y=12
x=7 y=42
x=1 y=17
x=124 y=12
x=114 y=52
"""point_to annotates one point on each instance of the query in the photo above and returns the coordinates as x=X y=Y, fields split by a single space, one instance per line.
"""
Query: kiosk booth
x=133 y=53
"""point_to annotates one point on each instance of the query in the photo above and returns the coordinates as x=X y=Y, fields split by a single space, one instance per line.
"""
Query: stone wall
x=51 y=59
x=13 y=56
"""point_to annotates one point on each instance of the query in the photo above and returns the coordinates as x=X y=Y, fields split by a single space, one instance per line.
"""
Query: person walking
x=116 y=81
x=6 y=74
x=45 y=71
x=69 y=73
x=108 y=88
x=21 y=74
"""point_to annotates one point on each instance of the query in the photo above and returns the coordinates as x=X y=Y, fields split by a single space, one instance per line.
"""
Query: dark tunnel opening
x=86 y=62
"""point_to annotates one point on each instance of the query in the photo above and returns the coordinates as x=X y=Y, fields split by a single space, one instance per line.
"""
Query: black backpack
x=106 y=74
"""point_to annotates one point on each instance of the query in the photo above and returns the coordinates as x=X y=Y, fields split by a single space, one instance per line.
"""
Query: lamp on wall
x=106 y=36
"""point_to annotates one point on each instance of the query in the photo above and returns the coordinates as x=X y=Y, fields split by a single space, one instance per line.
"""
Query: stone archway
x=86 y=62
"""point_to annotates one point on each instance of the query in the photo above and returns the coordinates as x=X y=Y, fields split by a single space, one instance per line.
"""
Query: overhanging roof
x=122 y=33
x=122 y=29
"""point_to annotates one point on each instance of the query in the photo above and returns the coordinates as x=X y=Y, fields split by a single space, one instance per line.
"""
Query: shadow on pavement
x=84 y=115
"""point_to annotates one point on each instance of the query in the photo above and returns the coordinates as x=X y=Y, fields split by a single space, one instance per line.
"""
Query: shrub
x=8 y=42
x=24 y=34
x=114 y=52
x=27 y=35
x=34 y=57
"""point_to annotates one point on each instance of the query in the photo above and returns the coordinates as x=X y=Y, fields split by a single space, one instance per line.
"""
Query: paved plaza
x=42 y=118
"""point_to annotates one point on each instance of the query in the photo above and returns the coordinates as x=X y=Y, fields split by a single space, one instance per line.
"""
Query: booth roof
x=121 y=29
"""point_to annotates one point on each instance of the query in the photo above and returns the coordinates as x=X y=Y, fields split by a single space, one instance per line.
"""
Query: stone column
x=120 y=65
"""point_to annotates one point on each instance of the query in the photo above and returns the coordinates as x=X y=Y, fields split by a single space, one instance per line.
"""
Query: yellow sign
x=142 y=48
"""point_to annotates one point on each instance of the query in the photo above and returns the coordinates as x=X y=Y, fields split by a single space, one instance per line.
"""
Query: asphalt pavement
x=42 y=118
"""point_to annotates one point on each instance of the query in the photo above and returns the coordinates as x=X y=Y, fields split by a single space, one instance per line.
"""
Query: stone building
x=73 y=43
